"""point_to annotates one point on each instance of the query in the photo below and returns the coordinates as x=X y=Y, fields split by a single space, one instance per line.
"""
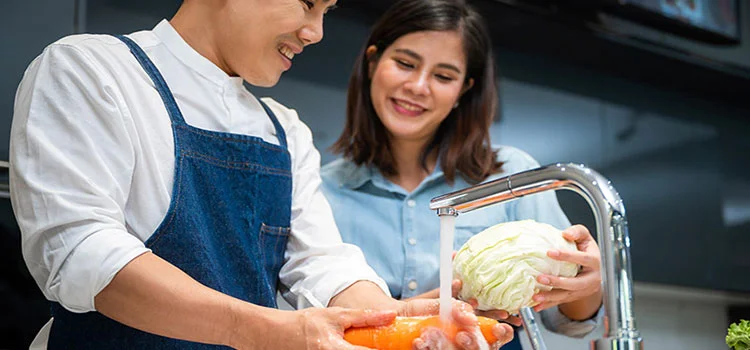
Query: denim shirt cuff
x=555 y=321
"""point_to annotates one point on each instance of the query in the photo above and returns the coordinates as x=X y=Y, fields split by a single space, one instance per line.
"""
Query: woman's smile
x=407 y=108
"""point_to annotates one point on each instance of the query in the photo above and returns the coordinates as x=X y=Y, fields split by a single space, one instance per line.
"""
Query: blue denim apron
x=227 y=224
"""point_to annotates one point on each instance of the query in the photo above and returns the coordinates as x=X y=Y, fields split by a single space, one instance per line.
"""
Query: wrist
x=235 y=332
x=582 y=309
x=254 y=327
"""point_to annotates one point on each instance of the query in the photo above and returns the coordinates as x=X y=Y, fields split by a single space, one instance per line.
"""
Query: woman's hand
x=500 y=315
x=468 y=337
x=579 y=297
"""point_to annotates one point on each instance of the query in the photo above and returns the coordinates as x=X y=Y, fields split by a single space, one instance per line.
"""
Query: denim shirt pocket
x=273 y=241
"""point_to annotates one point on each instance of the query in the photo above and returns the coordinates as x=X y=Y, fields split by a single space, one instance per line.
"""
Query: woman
x=420 y=104
x=155 y=198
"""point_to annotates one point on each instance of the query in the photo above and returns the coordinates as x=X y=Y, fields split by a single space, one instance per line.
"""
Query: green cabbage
x=499 y=265
x=738 y=335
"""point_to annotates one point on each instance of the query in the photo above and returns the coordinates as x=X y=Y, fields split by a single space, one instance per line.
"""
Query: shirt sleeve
x=71 y=164
x=556 y=321
x=318 y=265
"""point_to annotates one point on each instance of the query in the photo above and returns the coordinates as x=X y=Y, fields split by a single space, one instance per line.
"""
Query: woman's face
x=417 y=81
x=258 y=39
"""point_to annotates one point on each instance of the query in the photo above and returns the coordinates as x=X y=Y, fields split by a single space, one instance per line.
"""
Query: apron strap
x=280 y=134
x=161 y=86
x=166 y=94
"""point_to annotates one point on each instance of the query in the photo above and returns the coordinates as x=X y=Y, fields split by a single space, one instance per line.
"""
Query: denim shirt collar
x=358 y=176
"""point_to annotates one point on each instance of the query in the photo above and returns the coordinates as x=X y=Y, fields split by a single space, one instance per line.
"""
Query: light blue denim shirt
x=399 y=234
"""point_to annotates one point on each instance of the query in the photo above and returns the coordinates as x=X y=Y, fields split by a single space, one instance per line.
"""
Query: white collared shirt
x=92 y=163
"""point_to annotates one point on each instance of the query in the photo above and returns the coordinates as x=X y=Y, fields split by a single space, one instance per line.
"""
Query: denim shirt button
x=411 y=203
x=412 y=241
x=412 y=285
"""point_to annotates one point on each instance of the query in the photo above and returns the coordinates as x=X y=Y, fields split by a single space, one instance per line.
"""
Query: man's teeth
x=409 y=107
x=286 y=52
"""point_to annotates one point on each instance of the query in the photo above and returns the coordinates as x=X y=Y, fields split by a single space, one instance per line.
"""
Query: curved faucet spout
x=611 y=227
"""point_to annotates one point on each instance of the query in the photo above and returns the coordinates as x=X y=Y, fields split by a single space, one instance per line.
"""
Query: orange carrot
x=401 y=333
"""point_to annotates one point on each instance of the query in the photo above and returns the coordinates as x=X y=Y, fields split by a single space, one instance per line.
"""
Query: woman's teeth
x=286 y=52
x=408 y=106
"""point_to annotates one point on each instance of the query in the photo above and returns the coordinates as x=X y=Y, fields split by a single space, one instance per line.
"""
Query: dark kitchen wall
x=680 y=162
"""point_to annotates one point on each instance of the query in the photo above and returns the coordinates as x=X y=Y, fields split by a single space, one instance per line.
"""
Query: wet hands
x=435 y=338
x=468 y=335
x=500 y=315
x=324 y=328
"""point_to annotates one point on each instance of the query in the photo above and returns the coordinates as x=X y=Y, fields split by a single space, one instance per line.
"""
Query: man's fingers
x=420 y=307
x=463 y=314
x=467 y=341
x=364 y=318
x=503 y=333
x=342 y=344
x=431 y=338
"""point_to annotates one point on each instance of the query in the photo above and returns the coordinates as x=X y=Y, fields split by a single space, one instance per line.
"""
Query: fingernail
x=538 y=298
x=501 y=332
x=463 y=339
x=544 y=280
x=553 y=253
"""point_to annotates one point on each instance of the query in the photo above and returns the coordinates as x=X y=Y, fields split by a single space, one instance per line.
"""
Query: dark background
x=665 y=118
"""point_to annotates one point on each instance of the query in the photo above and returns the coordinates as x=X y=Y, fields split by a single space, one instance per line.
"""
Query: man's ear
x=372 y=60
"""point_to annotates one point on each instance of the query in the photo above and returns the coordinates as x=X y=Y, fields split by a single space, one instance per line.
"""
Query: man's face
x=258 y=39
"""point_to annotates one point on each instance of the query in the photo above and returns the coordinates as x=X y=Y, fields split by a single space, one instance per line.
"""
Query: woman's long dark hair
x=462 y=140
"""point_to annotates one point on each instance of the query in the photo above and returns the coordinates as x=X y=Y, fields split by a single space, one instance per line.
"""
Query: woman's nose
x=418 y=84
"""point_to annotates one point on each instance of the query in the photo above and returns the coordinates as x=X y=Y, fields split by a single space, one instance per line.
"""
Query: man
x=162 y=205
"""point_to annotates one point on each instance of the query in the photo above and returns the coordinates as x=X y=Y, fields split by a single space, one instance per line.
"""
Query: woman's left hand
x=582 y=292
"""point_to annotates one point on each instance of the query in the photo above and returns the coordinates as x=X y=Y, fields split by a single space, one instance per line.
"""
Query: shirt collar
x=356 y=176
x=191 y=58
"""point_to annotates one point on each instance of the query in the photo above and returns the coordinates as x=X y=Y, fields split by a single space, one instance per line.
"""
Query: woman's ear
x=468 y=85
x=372 y=61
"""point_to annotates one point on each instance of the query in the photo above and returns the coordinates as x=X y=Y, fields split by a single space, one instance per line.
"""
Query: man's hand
x=468 y=337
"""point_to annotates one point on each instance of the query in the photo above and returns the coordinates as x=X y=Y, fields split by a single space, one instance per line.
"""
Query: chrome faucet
x=612 y=234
